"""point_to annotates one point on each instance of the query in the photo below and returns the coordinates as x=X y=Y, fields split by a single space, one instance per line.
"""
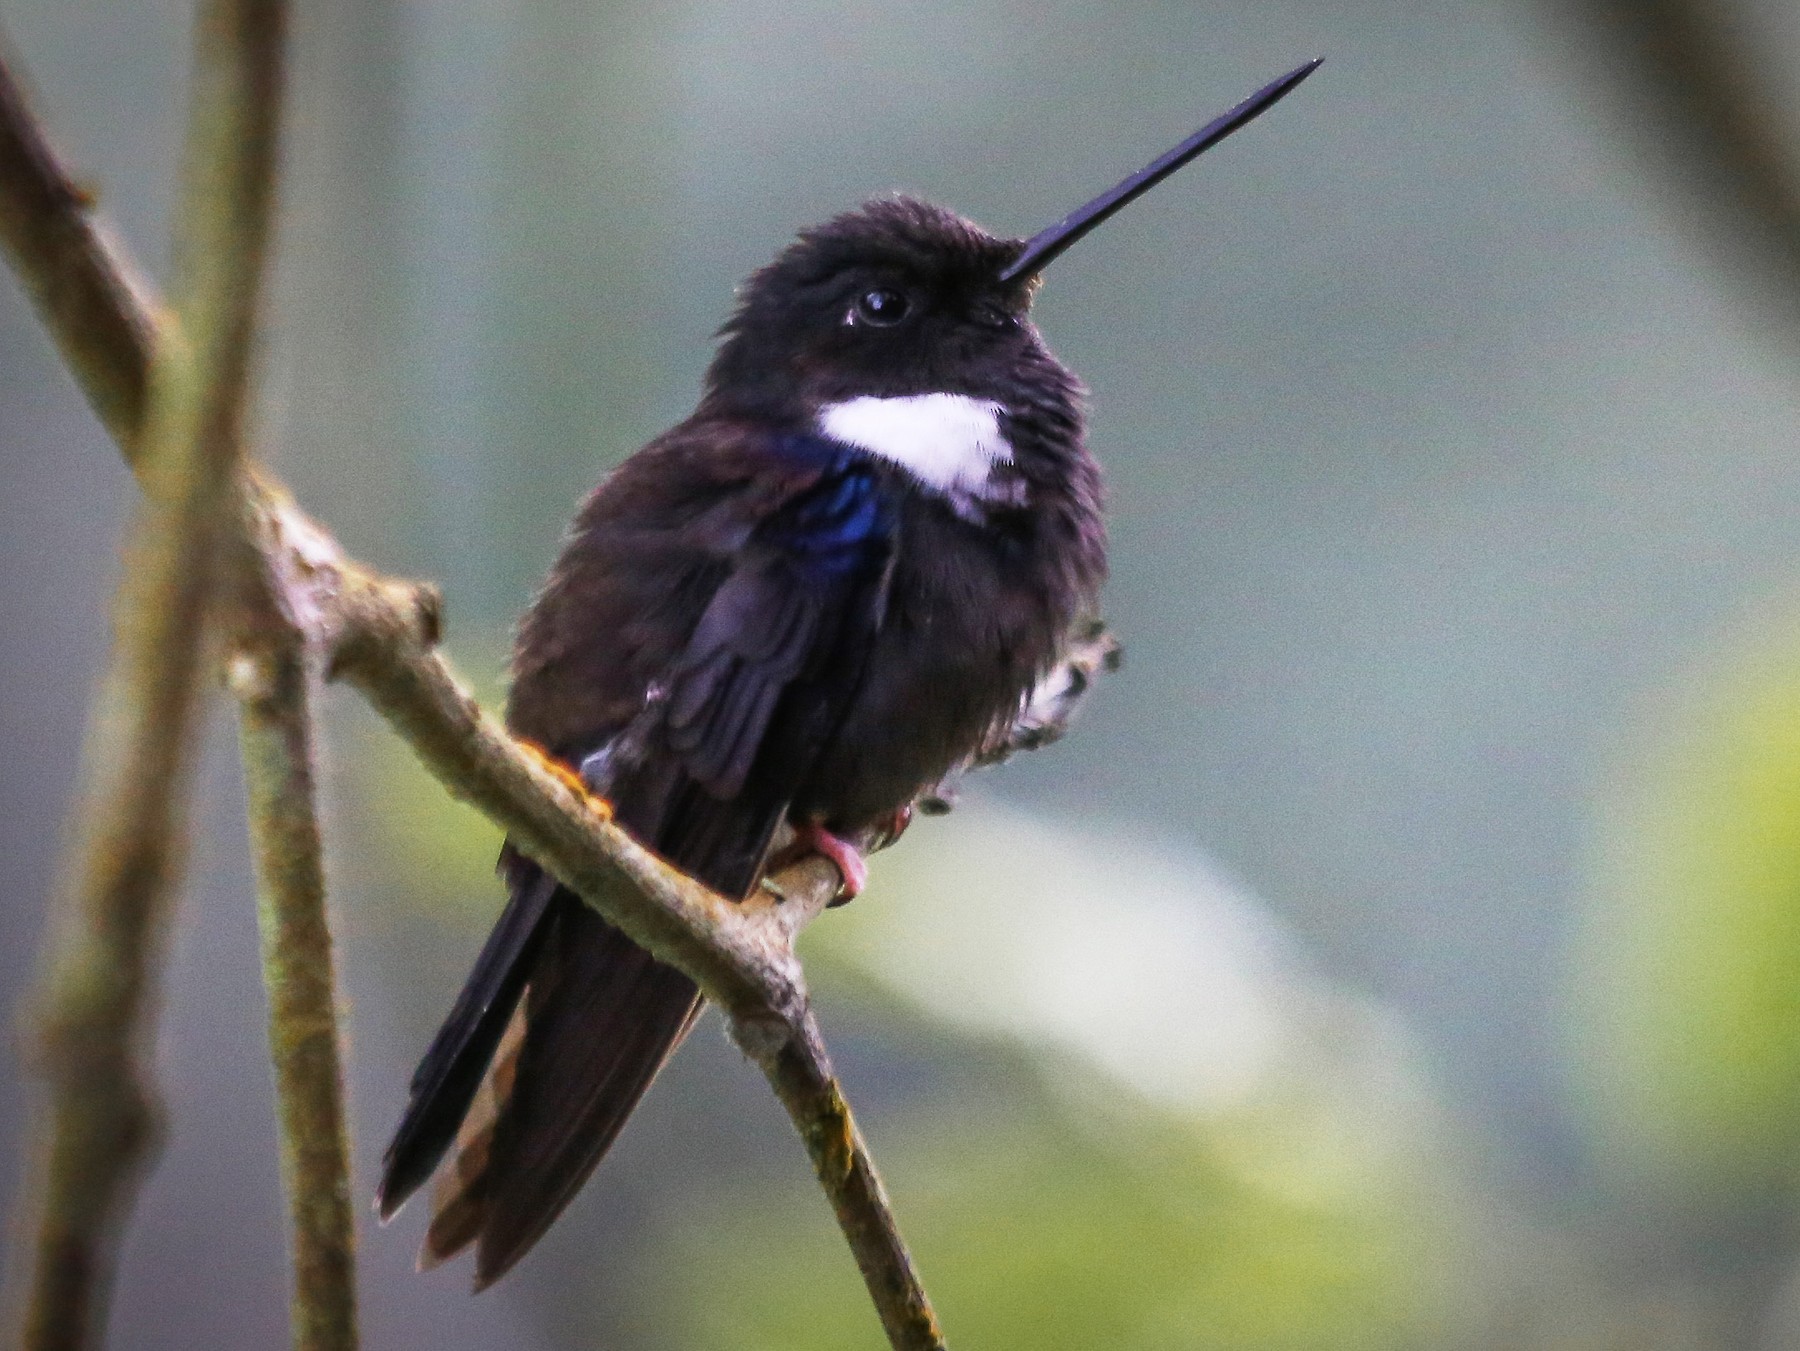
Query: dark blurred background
x=1403 y=950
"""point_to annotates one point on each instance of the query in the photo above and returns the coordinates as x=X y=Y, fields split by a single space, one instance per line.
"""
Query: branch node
x=248 y=676
x=428 y=613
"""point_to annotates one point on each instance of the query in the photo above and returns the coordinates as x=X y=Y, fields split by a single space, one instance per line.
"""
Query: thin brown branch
x=799 y=1070
x=100 y=980
x=271 y=677
x=83 y=285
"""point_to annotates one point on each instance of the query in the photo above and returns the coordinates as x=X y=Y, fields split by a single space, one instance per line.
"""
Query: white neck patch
x=950 y=443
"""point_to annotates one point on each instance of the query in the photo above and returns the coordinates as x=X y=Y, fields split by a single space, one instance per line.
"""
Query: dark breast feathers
x=755 y=626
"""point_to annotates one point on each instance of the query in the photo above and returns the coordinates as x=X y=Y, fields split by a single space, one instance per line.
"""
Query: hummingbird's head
x=896 y=329
x=896 y=298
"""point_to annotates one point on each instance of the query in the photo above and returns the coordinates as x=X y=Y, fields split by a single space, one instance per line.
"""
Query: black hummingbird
x=836 y=582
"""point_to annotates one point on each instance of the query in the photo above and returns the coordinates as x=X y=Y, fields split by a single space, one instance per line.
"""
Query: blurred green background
x=1404 y=951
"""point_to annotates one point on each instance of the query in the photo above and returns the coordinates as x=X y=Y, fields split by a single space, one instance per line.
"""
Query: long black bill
x=1048 y=245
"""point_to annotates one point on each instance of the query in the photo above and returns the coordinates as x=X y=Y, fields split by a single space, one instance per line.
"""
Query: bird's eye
x=880 y=308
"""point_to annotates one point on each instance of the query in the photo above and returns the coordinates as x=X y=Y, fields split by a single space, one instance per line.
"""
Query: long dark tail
x=558 y=1071
x=558 y=1032
x=450 y=1074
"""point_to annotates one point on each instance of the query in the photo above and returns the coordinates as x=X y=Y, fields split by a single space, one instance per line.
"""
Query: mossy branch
x=270 y=673
x=99 y=987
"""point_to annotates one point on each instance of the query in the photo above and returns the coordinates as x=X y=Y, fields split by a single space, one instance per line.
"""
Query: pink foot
x=813 y=837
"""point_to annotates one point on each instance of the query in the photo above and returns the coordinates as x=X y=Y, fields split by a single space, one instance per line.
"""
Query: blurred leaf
x=1036 y=1234
x=1686 y=978
x=1158 y=1129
